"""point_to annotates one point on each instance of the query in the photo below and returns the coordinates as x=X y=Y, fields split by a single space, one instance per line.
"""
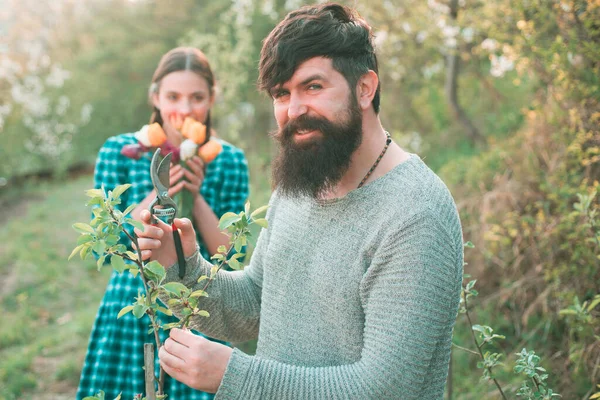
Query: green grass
x=48 y=303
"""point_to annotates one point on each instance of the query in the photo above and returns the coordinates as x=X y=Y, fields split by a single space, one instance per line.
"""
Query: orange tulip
x=156 y=135
x=210 y=151
x=194 y=130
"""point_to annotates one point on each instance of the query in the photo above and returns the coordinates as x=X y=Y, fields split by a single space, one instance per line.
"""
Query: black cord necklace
x=387 y=144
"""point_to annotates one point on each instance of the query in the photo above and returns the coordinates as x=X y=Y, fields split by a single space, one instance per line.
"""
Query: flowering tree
x=30 y=83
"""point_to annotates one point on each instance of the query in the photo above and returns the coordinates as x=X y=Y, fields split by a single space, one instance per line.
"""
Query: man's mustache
x=303 y=123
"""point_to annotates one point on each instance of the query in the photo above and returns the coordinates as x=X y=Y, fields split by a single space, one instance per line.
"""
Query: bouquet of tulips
x=152 y=136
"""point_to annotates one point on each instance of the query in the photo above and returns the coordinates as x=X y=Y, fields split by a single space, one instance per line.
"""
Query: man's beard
x=313 y=168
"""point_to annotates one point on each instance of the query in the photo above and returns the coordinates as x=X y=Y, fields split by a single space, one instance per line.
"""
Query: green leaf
x=75 y=251
x=202 y=278
x=118 y=264
x=202 y=313
x=247 y=208
x=156 y=269
x=470 y=285
x=234 y=264
x=100 y=262
x=259 y=211
x=111 y=240
x=175 y=288
x=171 y=325
x=218 y=256
x=139 y=310
x=134 y=271
x=83 y=228
x=86 y=250
x=222 y=249
x=129 y=209
x=594 y=303
x=173 y=302
x=99 y=247
x=469 y=245
x=124 y=311
x=134 y=223
x=238 y=244
x=199 y=293
x=95 y=193
x=118 y=191
x=261 y=222
x=84 y=238
x=227 y=219
x=165 y=311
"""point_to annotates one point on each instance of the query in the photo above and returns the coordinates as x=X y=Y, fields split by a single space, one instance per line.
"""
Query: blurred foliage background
x=501 y=98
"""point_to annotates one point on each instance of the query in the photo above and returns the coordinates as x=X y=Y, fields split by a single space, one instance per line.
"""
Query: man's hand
x=194 y=360
x=156 y=241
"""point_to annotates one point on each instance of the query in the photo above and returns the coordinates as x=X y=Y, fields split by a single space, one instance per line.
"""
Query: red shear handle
x=179 y=250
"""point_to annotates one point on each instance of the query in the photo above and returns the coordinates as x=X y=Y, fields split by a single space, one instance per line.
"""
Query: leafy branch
x=535 y=386
x=101 y=238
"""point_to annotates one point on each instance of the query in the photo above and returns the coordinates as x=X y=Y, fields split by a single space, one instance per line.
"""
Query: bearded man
x=354 y=288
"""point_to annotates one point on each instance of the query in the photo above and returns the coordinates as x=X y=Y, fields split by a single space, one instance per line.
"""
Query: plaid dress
x=114 y=357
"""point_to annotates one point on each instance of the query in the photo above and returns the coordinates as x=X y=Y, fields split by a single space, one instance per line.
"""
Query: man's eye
x=198 y=99
x=172 y=97
x=314 y=86
x=279 y=93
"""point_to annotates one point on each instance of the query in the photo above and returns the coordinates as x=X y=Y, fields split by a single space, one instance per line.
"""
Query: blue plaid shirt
x=114 y=358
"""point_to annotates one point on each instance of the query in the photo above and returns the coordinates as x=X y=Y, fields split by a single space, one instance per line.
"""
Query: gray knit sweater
x=353 y=298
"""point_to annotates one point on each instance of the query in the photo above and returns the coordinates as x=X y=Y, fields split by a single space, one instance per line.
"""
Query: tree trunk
x=452 y=71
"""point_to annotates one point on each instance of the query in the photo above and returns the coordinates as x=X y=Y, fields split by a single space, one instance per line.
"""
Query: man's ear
x=366 y=88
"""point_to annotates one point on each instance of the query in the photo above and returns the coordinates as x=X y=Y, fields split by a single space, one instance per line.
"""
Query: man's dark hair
x=328 y=30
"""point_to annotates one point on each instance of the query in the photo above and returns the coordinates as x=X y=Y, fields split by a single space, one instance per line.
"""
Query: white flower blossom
x=63 y=105
x=86 y=113
x=380 y=38
x=57 y=76
x=421 y=36
x=489 y=45
x=433 y=69
x=187 y=149
x=500 y=65
x=142 y=136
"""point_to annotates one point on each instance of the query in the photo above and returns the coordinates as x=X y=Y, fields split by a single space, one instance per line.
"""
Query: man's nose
x=296 y=107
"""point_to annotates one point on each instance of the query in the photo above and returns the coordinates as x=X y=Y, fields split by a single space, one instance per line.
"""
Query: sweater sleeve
x=234 y=296
x=410 y=295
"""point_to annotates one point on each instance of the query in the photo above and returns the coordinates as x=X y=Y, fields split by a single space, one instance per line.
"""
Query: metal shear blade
x=159 y=173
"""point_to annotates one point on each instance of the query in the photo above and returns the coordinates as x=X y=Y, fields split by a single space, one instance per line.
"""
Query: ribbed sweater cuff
x=194 y=269
x=235 y=376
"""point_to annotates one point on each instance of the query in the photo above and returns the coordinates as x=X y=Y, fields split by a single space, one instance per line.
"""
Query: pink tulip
x=133 y=150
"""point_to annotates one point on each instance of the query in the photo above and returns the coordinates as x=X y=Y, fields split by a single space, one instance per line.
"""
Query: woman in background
x=183 y=85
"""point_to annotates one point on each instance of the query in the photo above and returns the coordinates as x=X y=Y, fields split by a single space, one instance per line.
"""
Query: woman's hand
x=156 y=241
x=190 y=178
x=194 y=360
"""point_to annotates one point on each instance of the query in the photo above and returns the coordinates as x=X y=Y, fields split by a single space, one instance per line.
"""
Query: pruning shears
x=163 y=207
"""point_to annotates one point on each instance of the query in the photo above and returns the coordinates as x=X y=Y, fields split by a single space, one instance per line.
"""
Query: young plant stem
x=465 y=349
x=185 y=322
x=489 y=369
x=152 y=317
